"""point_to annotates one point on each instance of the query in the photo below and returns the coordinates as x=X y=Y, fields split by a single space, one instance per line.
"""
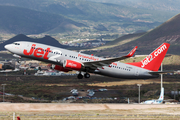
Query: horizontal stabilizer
x=160 y=72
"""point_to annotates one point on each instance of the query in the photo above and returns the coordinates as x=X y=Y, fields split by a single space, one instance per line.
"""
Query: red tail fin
x=154 y=60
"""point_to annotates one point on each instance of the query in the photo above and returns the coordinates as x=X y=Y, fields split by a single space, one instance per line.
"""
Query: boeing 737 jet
x=66 y=60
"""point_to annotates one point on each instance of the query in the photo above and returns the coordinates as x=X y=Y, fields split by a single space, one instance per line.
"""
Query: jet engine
x=60 y=68
x=73 y=65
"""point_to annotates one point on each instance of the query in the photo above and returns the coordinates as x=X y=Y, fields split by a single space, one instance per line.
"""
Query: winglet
x=131 y=53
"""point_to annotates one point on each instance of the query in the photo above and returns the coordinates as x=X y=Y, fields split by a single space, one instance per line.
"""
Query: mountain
x=86 y=10
x=158 y=5
x=168 y=32
x=22 y=20
x=21 y=37
x=107 y=16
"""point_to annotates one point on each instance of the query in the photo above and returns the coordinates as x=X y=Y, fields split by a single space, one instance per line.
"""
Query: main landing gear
x=86 y=75
x=80 y=76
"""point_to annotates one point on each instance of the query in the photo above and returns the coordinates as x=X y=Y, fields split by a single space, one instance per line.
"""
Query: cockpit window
x=16 y=43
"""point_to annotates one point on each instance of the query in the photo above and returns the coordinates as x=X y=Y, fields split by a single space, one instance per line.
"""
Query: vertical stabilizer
x=153 y=61
x=161 y=97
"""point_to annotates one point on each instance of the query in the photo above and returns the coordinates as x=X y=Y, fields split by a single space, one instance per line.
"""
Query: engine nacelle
x=73 y=65
x=60 y=68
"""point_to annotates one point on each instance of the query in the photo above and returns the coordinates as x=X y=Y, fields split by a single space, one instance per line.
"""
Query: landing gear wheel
x=80 y=76
x=19 y=61
x=87 y=75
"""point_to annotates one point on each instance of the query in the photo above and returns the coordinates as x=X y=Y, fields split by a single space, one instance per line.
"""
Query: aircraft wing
x=107 y=62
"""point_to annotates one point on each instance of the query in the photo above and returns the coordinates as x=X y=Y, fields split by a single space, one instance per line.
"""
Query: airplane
x=66 y=60
x=159 y=101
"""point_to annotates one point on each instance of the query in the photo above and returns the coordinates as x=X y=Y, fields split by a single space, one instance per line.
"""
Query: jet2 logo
x=146 y=61
x=153 y=55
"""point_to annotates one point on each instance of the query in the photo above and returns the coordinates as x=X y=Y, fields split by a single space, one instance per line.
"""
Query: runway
x=45 y=107
x=29 y=111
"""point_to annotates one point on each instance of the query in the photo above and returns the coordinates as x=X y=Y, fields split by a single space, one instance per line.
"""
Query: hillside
x=114 y=18
x=85 y=10
x=168 y=32
x=21 y=20
x=163 y=5
x=120 y=41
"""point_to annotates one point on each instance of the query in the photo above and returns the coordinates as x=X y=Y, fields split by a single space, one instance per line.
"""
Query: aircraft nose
x=8 y=46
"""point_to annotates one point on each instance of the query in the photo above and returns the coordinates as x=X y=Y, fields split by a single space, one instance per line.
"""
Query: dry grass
x=55 y=84
x=128 y=82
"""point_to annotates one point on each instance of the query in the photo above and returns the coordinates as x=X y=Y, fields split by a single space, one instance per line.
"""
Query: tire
x=80 y=76
x=87 y=75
